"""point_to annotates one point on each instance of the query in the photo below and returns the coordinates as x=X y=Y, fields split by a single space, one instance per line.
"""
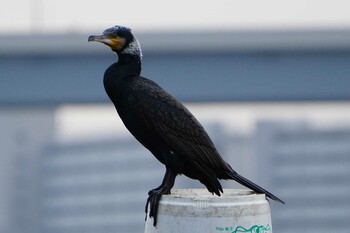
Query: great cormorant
x=162 y=124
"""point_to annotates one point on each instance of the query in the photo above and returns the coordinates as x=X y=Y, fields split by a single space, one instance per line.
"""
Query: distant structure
x=41 y=178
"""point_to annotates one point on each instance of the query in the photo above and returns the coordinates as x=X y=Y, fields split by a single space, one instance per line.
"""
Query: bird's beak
x=101 y=38
x=116 y=43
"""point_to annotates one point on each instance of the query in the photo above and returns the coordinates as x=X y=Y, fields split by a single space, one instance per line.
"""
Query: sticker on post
x=240 y=229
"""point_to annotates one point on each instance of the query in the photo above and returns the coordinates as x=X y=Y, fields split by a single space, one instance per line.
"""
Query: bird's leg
x=151 y=192
x=155 y=194
x=160 y=186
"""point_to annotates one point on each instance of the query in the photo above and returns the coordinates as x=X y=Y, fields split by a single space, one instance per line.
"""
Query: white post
x=198 y=211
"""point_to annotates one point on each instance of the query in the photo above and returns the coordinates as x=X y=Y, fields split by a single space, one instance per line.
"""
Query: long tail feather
x=249 y=184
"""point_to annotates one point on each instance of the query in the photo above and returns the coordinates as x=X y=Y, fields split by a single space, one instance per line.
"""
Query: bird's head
x=120 y=39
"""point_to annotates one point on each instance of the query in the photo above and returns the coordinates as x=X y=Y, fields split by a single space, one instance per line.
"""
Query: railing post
x=198 y=211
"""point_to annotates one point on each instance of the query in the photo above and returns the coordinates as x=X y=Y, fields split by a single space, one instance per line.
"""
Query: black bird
x=162 y=124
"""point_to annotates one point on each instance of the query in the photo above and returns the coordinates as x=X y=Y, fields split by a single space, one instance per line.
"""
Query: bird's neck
x=127 y=66
x=128 y=58
x=130 y=63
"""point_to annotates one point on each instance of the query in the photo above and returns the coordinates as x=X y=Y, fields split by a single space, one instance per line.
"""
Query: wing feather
x=172 y=121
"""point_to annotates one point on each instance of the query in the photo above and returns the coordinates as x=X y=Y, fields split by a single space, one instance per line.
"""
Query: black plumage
x=162 y=124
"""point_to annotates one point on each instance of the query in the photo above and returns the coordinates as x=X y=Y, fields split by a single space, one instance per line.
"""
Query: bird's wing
x=169 y=119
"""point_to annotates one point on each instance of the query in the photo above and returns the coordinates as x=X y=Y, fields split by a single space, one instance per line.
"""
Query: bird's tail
x=249 y=184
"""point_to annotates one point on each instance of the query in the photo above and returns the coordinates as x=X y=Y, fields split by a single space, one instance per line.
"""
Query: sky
x=74 y=16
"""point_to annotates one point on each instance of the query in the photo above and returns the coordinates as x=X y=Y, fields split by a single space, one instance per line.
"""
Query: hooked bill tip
x=91 y=38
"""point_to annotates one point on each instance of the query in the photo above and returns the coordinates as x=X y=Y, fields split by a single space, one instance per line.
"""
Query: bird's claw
x=153 y=201
x=150 y=193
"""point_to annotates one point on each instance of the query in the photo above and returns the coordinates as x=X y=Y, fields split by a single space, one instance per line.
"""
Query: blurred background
x=269 y=80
